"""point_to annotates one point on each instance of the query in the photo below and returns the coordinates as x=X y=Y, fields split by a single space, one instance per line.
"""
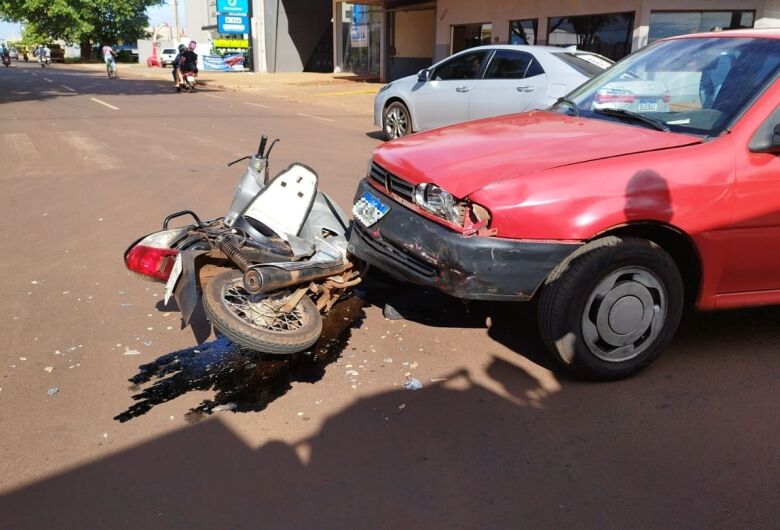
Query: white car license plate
x=369 y=209
x=173 y=278
x=648 y=105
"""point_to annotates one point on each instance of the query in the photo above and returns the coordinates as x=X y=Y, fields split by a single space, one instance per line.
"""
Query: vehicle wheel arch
x=399 y=99
x=673 y=240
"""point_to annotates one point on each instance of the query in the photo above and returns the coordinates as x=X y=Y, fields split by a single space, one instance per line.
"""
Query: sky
x=157 y=15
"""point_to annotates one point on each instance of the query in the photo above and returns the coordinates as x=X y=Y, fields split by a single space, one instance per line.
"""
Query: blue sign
x=238 y=7
x=233 y=24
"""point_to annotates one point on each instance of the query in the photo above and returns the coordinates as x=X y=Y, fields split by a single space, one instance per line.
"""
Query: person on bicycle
x=175 y=64
x=108 y=57
x=188 y=61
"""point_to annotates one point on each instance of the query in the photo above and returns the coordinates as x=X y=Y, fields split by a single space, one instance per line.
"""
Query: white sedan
x=481 y=82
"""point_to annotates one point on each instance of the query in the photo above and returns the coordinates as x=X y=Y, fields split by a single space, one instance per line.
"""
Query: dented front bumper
x=409 y=247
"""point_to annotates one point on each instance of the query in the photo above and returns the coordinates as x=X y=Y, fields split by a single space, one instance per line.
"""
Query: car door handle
x=462 y=89
x=525 y=88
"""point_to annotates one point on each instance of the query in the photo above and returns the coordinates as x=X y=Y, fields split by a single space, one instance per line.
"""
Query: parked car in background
x=167 y=56
x=613 y=214
x=481 y=82
x=13 y=53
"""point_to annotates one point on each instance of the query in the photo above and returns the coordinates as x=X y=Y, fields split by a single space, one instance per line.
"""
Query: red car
x=652 y=186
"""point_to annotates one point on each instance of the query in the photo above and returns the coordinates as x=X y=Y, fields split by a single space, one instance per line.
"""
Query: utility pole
x=176 y=29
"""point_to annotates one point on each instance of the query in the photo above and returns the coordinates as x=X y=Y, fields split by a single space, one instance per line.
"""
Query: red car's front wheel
x=612 y=307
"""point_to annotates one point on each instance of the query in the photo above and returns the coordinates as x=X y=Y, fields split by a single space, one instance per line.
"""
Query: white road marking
x=258 y=105
x=67 y=88
x=34 y=74
x=24 y=158
x=314 y=117
x=96 y=154
x=212 y=96
x=47 y=80
x=96 y=100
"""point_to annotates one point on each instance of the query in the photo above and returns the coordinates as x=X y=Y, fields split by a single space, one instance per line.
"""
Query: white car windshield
x=694 y=85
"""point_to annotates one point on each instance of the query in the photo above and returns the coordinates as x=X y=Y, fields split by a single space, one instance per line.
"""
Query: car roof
x=761 y=33
x=526 y=48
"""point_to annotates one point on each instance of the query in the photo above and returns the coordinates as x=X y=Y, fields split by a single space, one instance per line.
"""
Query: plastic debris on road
x=131 y=352
x=413 y=384
x=225 y=407
x=53 y=390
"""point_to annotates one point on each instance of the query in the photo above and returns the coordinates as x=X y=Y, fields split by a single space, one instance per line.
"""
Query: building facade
x=392 y=38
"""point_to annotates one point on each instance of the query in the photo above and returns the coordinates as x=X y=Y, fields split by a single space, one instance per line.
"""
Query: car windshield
x=694 y=85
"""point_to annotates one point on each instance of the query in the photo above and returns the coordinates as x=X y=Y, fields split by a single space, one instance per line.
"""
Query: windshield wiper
x=570 y=104
x=622 y=113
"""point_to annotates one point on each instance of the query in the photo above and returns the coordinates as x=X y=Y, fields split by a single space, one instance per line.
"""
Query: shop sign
x=231 y=43
x=227 y=24
x=359 y=36
x=238 y=7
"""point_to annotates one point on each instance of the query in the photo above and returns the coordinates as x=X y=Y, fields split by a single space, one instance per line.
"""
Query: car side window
x=508 y=64
x=465 y=66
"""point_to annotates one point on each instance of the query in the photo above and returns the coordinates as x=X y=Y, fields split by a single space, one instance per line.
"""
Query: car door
x=444 y=99
x=513 y=81
x=754 y=258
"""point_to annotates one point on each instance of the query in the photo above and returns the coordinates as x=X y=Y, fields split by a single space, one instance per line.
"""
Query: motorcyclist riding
x=176 y=64
x=188 y=62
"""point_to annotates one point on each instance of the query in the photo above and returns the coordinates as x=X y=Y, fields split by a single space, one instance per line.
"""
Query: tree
x=82 y=21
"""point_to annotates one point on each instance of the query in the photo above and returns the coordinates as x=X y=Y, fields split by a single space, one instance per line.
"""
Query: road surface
x=205 y=436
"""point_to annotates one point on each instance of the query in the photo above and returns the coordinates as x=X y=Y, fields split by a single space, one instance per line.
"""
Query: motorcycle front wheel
x=257 y=321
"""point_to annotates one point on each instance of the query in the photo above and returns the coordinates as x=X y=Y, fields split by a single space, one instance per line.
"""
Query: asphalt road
x=495 y=439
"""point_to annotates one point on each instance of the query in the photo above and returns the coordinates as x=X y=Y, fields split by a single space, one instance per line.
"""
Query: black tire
x=603 y=337
x=396 y=121
x=256 y=338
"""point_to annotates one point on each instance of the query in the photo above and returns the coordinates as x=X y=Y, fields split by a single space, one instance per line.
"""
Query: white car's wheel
x=397 y=121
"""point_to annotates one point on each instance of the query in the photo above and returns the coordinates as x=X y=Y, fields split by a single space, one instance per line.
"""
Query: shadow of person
x=469 y=452
x=648 y=197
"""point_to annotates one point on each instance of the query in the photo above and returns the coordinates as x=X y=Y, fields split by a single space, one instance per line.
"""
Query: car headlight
x=441 y=203
x=388 y=85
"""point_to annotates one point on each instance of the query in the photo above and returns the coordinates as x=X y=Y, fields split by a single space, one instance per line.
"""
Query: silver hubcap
x=624 y=314
x=396 y=123
x=259 y=311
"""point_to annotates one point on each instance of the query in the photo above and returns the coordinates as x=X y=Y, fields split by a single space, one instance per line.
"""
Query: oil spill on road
x=244 y=381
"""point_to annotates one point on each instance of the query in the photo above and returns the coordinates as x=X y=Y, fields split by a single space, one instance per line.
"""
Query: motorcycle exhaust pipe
x=269 y=278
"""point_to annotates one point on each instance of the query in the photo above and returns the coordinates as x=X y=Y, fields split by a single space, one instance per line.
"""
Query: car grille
x=391 y=183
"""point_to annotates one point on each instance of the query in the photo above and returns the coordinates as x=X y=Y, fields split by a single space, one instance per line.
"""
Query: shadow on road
x=669 y=448
x=85 y=81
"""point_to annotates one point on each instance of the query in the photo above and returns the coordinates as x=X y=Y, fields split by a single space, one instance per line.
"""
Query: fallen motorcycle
x=267 y=270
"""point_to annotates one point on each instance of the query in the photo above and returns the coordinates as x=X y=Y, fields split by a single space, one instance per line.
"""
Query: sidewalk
x=344 y=92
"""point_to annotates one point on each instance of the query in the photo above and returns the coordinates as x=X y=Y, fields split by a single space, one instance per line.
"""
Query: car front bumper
x=411 y=248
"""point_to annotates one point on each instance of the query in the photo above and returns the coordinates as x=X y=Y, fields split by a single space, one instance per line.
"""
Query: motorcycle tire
x=223 y=299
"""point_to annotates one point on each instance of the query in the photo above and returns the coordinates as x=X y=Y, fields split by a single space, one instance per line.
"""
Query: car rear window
x=169 y=50
x=588 y=64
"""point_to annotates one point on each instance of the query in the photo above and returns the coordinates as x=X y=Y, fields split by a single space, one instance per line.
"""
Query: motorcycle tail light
x=151 y=263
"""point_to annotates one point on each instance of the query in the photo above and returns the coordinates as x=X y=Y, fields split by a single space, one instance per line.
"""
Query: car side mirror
x=423 y=76
x=766 y=139
x=775 y=143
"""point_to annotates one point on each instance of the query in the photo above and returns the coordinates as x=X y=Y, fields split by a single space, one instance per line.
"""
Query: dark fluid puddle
x=244 y=380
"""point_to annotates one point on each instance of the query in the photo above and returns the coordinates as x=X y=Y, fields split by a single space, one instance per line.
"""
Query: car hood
x=467 y=157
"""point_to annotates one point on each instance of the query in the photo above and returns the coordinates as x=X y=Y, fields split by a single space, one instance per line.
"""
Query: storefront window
x=523 y=31
x=607 y=34
x=670 y=23
x=361 y=28
x=469 y=35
